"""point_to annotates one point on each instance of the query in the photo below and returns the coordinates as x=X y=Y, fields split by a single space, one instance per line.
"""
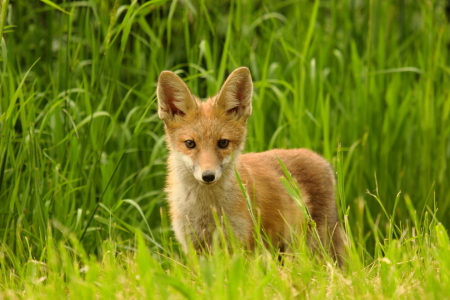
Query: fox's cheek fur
x=189 y=163
x=183 y=163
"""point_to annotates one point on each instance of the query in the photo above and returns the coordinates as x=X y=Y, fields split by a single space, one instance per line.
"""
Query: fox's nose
x=208 y=176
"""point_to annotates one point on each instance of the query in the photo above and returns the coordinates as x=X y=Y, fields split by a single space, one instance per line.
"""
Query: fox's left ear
x=174 y=97
x=235 y=96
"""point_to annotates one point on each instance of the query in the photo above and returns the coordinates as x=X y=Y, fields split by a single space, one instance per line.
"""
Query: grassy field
x=83 y=215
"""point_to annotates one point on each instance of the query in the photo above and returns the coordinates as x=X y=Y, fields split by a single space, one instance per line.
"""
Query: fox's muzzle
x=208 y=176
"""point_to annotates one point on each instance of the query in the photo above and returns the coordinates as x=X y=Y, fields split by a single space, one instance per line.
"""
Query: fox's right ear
x=174 y=97
x=235 y=96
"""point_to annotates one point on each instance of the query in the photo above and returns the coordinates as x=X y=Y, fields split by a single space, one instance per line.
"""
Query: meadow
x=83 y=213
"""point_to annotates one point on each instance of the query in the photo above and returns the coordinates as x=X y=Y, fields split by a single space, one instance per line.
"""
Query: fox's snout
x=207 y=167
x=208 y=176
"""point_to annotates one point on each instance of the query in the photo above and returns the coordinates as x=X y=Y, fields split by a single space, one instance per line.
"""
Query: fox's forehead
x=206 y=108
x=208 y=124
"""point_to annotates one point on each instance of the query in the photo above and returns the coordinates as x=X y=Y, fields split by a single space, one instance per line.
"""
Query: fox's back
x=311 y=171
x=262 y=172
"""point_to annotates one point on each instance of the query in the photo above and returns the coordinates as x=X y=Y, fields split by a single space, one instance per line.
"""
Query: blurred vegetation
x=365 y=83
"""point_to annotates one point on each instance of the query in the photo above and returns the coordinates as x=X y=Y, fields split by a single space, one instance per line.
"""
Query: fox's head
x=203 y=137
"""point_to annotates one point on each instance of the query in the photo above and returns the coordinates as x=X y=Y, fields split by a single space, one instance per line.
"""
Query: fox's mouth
x=207 y=183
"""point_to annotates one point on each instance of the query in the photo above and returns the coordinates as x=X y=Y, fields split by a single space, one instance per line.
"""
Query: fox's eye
x=189 y=144
x=223 y=144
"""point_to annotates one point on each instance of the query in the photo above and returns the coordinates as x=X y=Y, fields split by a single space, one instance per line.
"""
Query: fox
x=205 y=141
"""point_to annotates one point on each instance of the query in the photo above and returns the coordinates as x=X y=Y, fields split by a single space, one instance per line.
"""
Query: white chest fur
x=200 y=208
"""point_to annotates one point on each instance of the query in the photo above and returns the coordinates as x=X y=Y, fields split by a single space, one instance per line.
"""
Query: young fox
x=205 y=140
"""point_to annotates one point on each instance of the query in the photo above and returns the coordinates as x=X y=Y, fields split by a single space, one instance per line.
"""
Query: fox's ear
x=174 y=97
x=235 y=96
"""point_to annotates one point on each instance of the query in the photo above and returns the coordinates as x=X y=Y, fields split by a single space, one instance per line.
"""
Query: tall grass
x=82 y=153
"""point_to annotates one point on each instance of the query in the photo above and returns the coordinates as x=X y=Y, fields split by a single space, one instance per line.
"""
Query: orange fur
x=201 y=177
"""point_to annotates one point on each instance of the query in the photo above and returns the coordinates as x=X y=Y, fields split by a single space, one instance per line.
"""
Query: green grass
x=82 y=153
